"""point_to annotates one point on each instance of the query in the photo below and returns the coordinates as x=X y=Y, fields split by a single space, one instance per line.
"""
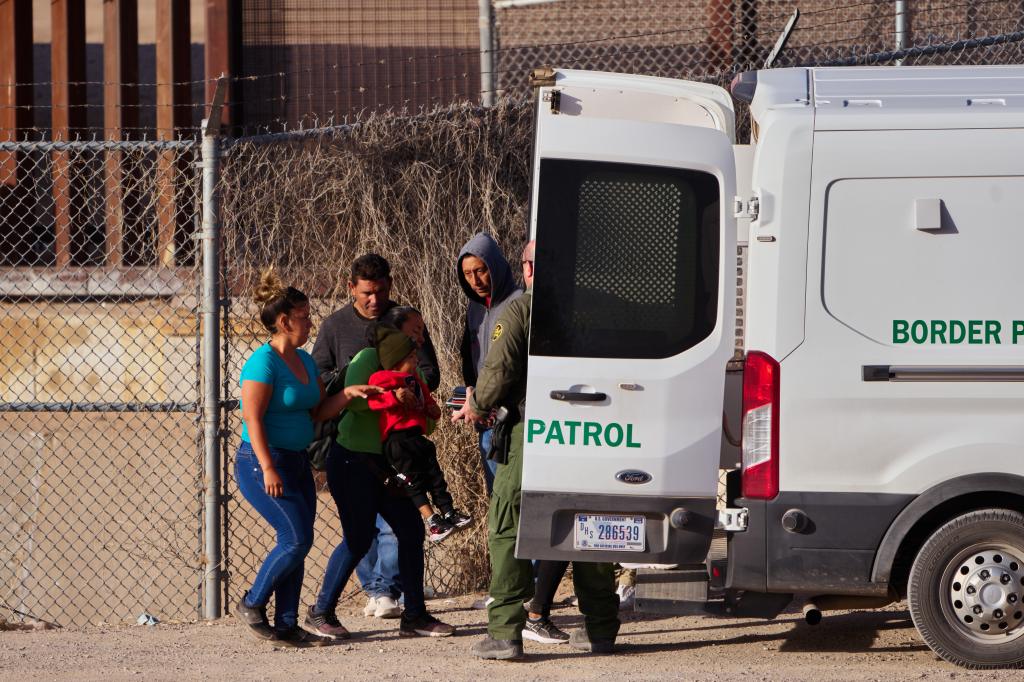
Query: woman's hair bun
x=270 y=288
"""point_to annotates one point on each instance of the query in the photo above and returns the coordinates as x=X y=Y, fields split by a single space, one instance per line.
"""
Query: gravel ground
x=869 y=645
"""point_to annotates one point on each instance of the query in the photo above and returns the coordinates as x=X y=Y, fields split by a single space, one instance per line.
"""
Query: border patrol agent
x=502 y=383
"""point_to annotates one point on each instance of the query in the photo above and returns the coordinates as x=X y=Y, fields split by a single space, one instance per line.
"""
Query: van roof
x=895 y=97
x=919 y=87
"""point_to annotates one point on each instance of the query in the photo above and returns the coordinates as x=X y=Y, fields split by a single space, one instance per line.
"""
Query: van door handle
x=577 y=396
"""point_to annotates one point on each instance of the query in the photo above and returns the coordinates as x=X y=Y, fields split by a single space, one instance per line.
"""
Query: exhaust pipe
x=812 y=614
x=814 y=607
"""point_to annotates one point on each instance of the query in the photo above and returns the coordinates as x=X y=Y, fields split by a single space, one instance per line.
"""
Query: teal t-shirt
x=287 y=421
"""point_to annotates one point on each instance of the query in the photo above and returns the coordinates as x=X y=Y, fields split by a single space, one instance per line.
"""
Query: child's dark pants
x=413 y=455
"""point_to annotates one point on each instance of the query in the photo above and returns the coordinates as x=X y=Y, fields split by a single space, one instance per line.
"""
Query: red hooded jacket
x=393 y=412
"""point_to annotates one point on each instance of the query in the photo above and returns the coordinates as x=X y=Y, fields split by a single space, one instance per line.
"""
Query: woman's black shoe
x=255 y=619
x=298 y=638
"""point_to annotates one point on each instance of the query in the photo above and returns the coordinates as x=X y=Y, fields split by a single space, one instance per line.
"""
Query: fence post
x=210 y=312
x=901 y=28
x=486 y=53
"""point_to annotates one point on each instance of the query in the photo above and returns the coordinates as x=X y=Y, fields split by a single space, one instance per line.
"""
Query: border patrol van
x=867 y=345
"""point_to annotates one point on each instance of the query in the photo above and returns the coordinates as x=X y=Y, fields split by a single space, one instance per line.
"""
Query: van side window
x=627 y=260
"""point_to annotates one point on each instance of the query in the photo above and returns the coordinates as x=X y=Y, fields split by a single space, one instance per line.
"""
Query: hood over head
x=503 y=282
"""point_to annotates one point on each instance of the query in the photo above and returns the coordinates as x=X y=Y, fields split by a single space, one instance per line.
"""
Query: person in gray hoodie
x=490 y=285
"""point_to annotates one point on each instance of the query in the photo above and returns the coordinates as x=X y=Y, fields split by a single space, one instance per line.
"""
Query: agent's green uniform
x=502 y=381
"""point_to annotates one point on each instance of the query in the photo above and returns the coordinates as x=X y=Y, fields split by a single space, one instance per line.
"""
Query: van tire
x=966 y=590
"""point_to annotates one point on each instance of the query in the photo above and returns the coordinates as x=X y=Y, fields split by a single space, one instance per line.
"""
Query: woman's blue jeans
x=291 y=516
x=378 y=571
x=360 y=497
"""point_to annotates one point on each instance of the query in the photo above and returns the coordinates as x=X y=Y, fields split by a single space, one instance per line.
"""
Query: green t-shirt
x=359 y=429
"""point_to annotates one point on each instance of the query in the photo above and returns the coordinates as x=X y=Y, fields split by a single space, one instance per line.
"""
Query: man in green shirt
x=502 y=383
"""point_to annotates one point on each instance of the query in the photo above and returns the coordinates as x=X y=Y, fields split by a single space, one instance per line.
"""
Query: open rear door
x=633 y=317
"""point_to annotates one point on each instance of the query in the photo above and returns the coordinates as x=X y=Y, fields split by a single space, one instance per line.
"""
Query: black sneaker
x=458 y=519
x=439 y=528
x=296 y=637
x=497 y=649
x=255 y=619
x=325 y=624
x=424 y=626
x=579 y=639
x=544 y=631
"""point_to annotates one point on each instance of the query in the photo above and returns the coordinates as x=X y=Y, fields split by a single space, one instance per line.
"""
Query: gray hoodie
x=481 y=315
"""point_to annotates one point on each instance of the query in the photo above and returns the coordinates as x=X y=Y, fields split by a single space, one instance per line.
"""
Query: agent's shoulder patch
x=498 y=331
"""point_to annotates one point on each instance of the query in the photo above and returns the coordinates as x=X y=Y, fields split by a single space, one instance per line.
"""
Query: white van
x=879 y=218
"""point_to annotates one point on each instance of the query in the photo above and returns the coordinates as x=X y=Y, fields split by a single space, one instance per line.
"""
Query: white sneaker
x=627 y=595
x=387 y=607
x=371 y=607
x=483 y=603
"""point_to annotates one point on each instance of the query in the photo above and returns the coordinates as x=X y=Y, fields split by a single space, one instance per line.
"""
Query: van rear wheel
x=966 y=590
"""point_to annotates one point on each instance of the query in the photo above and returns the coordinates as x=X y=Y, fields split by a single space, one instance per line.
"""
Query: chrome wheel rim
x=982 y=593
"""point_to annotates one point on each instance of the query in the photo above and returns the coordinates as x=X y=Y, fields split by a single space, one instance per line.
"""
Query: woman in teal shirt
x=282 y=395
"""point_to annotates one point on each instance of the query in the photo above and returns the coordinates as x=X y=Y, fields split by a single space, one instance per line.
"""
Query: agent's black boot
x=497 y=649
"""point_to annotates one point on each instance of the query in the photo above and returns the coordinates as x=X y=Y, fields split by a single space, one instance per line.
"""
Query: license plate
x=608 y=532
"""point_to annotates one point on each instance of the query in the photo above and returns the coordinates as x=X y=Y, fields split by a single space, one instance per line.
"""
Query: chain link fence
x=98 y=445
x=398 y=187
x=710 y=40
x=307 y=64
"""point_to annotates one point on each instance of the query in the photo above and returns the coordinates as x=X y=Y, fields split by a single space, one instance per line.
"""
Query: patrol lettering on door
x=956 y=332
x=587 y=434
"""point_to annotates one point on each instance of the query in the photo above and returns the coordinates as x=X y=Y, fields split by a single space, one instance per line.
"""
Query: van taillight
x=760 y=426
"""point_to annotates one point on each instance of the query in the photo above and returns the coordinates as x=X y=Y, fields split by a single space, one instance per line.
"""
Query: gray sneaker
x=544 y=631
x=255 y=619
x=497 y=649
x=579 y=639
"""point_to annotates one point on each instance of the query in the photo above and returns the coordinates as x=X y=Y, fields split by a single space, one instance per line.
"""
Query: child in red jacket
x=405 y=405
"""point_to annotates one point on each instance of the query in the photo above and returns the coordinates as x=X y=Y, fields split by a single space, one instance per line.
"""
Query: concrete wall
x=99 y=512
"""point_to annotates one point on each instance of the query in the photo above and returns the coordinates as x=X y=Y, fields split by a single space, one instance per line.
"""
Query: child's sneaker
x=458 y=519
x=439 y=528
x=544 y=631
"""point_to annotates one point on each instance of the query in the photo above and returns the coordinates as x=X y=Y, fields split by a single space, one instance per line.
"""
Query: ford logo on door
x=633 y=476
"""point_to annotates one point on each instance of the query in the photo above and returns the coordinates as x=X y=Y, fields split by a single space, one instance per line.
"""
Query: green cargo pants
x=512 y=578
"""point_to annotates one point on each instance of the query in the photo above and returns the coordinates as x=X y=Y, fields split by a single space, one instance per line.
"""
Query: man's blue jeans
x=360 y=496
x=490 y=467
x=378 y=571
x=291 y=516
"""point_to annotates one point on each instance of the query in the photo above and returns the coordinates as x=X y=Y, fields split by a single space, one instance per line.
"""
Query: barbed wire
x=317 y=97
x=441 y=55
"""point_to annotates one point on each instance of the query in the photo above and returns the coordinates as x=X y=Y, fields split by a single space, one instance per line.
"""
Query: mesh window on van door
x=627 y=260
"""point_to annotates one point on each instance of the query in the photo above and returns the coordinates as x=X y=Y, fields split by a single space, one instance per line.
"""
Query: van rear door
x=633 y=318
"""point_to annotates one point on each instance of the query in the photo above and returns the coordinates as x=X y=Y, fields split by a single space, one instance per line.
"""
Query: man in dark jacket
x=502 y=382
x=343 y=333
x=340 y=337
x=490 y=286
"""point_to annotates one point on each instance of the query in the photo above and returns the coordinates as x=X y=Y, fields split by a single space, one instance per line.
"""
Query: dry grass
x=413 y=190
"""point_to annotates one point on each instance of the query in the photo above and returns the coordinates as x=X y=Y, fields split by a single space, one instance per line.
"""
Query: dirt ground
x=871 y=645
